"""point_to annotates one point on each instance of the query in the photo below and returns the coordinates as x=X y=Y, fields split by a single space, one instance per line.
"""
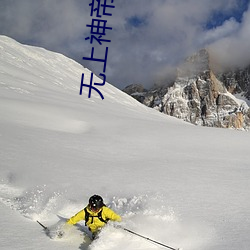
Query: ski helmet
x=95 y=202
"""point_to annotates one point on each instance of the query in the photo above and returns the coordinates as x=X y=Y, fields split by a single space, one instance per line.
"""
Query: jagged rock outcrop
x=137 y=91
x=237 y=81
x=201 y=97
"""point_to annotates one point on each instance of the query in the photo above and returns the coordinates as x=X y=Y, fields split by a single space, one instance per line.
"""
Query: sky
x=148 y=38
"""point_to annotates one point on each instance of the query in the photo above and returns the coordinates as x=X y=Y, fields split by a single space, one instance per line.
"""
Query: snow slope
x=173 y=182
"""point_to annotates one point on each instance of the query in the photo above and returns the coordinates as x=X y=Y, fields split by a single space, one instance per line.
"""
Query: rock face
x=137 y=91
x=237 y=81
x=201 y=97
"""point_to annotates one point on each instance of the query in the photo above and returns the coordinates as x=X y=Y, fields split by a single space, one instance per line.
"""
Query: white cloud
x=233 y=50
x=228 y=28
x=169 y=31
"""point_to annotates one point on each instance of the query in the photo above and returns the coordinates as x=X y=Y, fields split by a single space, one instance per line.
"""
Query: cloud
x=147 y=40
x=53 y=24
x=233 y=49
x=228 y=28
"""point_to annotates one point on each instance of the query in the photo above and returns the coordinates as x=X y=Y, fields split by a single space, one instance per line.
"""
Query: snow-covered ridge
x=38 y=69
x=38 y=74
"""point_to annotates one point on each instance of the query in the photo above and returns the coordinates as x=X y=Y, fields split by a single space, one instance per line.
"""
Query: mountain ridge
x=200 y=95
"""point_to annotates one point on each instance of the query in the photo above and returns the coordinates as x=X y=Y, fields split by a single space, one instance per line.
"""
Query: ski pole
x=146 y=238
x=45 y=228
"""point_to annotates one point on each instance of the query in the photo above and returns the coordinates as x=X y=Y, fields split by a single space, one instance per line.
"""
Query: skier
x=95 y=214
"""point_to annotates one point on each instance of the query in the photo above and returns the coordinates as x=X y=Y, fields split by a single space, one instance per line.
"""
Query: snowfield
x=185 y=186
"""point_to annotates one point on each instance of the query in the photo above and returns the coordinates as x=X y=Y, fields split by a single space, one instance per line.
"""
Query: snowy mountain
x=182 y=185
x=201 y=95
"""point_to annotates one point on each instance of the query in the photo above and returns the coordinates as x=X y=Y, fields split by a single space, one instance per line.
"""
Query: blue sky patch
x=136 y=21
x=219 y=17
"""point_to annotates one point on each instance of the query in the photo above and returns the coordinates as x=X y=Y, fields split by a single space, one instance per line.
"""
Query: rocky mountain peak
x=196 y=64
x=202 y=97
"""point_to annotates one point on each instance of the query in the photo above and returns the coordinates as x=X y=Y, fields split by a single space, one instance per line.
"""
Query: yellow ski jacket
x=94 y=223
